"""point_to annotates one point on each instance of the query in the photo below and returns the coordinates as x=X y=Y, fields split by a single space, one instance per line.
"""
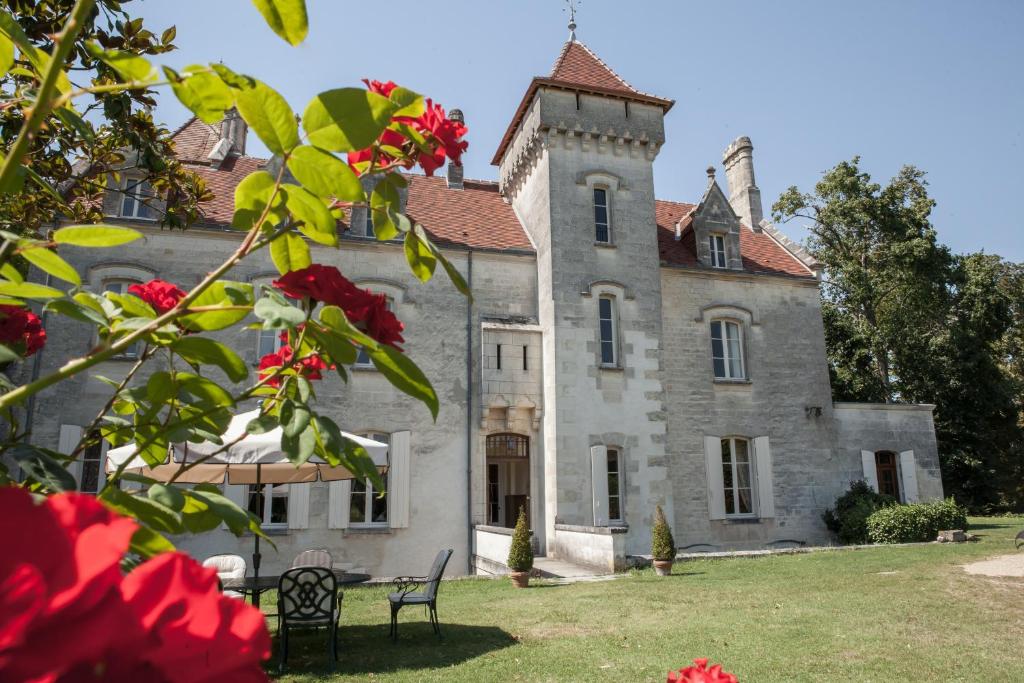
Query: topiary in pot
x=663 y=546
x=520 y=555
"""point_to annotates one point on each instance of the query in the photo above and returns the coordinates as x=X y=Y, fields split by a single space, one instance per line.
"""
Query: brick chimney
x=454 y=171
x=744 y=196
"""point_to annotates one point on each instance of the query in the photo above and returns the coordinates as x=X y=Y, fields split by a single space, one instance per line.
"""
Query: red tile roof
x=194 y=140
x=577 y=69
x=761 y=253
x=222 y=182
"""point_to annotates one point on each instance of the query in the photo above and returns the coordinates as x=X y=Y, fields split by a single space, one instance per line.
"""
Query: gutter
x=469 y=414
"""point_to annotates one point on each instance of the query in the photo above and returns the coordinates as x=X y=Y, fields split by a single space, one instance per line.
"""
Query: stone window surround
x=745 y=318
x=616 y=294
x=610 y=183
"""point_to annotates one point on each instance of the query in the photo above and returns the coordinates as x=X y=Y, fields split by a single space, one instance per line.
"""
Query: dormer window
x=602 y=229
x=137 y=199
x=716 y=243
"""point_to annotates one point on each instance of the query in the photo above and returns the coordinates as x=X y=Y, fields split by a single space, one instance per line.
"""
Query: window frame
x=368 y=230
x=269 y=492
x=613 y=339
x=129 y=187
x=607 y=206
x=751 y=478
x=368 y=493
x=132 y=352
x=614 y=453
x=716 y=239
x=726 y=358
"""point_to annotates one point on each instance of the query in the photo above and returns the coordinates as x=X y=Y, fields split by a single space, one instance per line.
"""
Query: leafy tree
x=520 y=553
x=663 y=546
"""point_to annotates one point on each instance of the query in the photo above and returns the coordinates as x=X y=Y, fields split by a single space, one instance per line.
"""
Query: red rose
x=446 y=132
x=61 y=582
x=700 y=673
x=380 y=88
x=309 y=367
x=21 y=329
x=162 y=296
x=363 y=308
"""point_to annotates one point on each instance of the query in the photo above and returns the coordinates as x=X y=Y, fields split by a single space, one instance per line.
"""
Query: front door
x=508 y=478
x=888 y=475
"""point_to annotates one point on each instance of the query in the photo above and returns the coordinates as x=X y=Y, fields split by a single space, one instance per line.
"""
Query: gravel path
x=1003 y=565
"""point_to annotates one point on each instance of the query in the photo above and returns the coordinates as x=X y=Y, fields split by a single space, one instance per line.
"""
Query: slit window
x=497 y=358
x=524 y=357
x=606 y=322
x=602 y=232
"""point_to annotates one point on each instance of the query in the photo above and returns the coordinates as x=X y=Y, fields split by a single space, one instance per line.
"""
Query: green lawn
x=881 y=614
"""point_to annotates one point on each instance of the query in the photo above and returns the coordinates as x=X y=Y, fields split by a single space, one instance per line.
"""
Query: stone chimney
x=744 y=196
x=233 y=131
x=454 y=171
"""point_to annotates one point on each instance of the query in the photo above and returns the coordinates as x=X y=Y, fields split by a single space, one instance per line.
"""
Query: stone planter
x=520 y=579
x=663 y=567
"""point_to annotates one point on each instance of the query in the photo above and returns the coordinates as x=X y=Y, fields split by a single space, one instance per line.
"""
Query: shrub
x=520 y=555
x=916 y=522
x=849 y=519
x=663 y=546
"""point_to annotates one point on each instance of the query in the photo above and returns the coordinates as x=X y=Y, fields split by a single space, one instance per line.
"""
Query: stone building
x=620 y=352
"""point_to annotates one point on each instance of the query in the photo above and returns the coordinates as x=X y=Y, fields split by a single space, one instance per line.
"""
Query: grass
x=880 y=614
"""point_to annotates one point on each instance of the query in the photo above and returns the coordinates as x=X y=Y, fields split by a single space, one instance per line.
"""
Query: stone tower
x=576 y=164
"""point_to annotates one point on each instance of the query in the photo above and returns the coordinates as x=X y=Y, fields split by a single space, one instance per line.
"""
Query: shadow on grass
x=366 y=649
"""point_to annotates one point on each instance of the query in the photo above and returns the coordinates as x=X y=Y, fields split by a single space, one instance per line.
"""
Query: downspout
x=469 y=414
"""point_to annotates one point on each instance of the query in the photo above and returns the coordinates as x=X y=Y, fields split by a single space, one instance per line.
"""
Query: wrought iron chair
x=228 y=567
x=317 y=557
x=307 y=597
x=405 y=593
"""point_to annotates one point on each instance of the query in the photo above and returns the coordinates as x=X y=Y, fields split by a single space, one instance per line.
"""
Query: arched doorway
x=508 y=478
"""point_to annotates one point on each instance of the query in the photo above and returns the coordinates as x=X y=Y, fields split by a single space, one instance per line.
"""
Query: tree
x=663 y=546
x=906 y=320
x=520 y=554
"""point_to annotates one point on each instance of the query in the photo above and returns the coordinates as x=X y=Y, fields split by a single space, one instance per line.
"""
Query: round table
x=255 y=587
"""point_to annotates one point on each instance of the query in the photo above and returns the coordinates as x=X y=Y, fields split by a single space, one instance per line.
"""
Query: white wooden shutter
x=237 y=494
x=399 y=481
x=298 y=506
x=599 y=483
x=70 y=435
x=908 y=468
x=339 y=497
x=867 y=459
x=765 y=484
x=716 y=486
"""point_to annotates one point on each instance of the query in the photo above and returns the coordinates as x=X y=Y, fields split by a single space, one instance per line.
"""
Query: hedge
x=916 y=522
x=849 y=518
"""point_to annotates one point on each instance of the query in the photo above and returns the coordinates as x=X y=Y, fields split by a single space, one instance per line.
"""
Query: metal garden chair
x=406 y=593
x=307 y=597
x=317 y=557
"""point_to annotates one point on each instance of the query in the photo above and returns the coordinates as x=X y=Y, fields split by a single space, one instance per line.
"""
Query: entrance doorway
x=508 y=478
x=888 y=475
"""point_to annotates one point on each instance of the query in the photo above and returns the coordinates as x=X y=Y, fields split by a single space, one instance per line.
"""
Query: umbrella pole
x=256 y=549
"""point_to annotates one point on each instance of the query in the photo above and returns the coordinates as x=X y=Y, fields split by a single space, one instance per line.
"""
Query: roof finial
x=572 y=18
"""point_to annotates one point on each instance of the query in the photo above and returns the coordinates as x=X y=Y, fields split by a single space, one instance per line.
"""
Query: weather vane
x=572 y=5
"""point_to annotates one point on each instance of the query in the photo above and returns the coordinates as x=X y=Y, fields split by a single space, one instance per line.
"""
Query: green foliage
x=346 y=119
x=520 y=553
x=287 y=18
x=915 y=523
x=849 y=518
x=663 y=546
x=95 y=235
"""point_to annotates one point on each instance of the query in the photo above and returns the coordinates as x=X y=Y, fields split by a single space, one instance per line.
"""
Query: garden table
x=256 y=585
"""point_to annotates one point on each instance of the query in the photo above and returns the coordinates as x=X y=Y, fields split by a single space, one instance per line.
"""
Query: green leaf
x=251 y=197
x=346 y=119
x=131 y=305
x=149 y=543
x=70 y=118
x=168 y=496
x=208 y=392
x=42 y=466
x=160 y=387
x=206 y=351
x=384 y=203
x=453 y=274
x=235 y=517
x=404 y=375
x=220 y=293
x=335 y=320
x=420 y=257
x=74 y=309
x=29 y=290
x=340 y=350
x=11 y=273
x=204 y=93
x=231 y=78
x=129 y=66
x=317 y=222
x=149 y=511
x=287 y=18
x=276 y=315
x=269 y=115
x=6 y=54
x=300 y=447
x=95 y=235
x=49 y=262
x=294 y=418
x=16 y=182
x=324 y=174
x=409 y=103
x=261 y=424
x=290 y=252
x=8 y=356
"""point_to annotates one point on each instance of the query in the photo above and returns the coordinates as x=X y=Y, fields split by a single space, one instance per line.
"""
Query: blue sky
x=932 y=83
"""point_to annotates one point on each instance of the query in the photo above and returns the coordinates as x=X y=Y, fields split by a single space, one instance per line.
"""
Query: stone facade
x=587 y=420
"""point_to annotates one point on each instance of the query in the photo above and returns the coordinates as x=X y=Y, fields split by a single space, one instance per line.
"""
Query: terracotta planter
x=663 y=567
x=520 y=579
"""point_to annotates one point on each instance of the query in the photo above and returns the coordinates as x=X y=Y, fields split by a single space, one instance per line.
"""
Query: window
x=367 y=507
x=737 y=477
x=614 y=486
x=888 y=476
x=368 y=226
x=727 y=349
x=269 y=341
x=93 y=466
x=269 y=502
x=508 y=445
x=362 y=357
x=137 y=200
x=717 y=244
x=601 y=231
x=493 y=491
x=606 y=319
x=121 y=287
x=524 y=357
x=498 y=358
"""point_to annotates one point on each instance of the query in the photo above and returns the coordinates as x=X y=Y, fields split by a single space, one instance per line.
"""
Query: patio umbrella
x=254 y=459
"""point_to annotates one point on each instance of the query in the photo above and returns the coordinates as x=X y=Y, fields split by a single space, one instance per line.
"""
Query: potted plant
x=520 y=555
x=663 y=546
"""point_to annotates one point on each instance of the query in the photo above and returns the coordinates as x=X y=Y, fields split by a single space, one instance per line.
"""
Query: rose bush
x=67 y=613
x=21 y=330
